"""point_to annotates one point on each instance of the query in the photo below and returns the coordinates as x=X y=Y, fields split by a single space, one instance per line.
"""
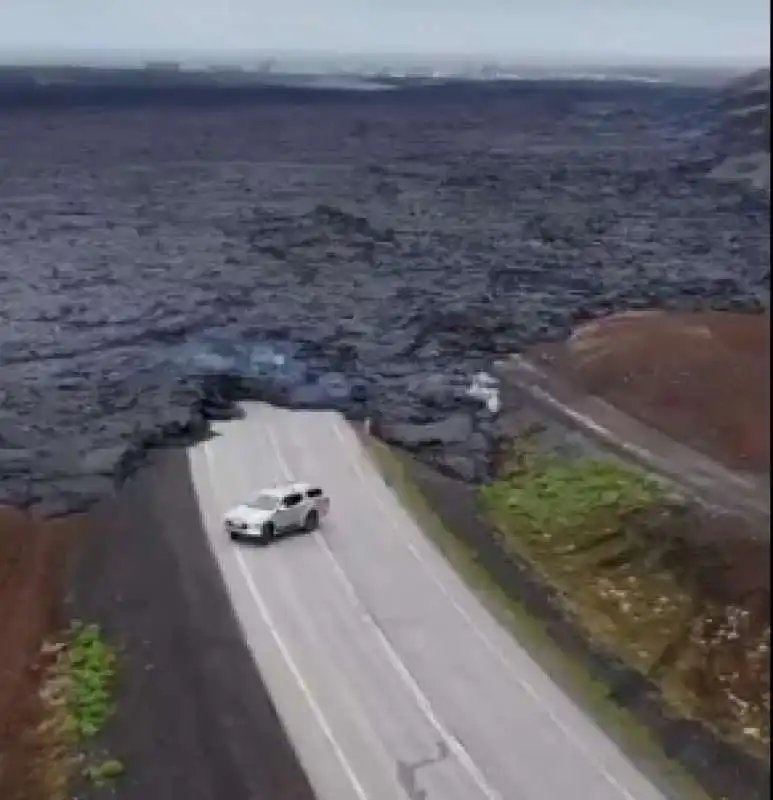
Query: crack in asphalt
x=407 y=771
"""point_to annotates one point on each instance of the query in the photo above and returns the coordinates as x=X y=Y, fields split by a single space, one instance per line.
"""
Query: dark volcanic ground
x=398 y=240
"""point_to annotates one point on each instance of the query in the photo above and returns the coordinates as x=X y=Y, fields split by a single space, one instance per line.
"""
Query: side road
x=709 y=482
x=193 y=719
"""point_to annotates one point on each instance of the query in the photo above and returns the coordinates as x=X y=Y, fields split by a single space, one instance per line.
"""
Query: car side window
x=314 y=493
x=292 y=500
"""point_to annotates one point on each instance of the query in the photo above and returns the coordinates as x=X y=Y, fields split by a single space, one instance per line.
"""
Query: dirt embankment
x=702 y=379
x=192 y=718
x=33 y=558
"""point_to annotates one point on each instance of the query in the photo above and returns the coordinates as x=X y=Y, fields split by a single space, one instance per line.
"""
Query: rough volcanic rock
x=370 y=256
x=741 y=134
x=454 y=429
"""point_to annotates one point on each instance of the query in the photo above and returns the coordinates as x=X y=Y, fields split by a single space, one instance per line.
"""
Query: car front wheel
x=268 y=532
x=312 y=522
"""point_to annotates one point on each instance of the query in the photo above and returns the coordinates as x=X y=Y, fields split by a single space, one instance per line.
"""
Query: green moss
x=79 y=694
x=104 y=772
x=90 y=664
x=554 y=498
x=616 y=545
x=587 y=527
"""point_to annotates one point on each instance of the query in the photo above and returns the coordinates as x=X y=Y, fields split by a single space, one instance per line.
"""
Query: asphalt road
x=391 y=678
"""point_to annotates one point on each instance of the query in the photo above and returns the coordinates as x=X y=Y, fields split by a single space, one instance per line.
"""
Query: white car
x=276 y=511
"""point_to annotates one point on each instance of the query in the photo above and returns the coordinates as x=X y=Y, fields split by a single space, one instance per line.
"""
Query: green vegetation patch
x=632 y=567
x=80 y=697
x=587 y=526
x=91 y=665
x=555 y=497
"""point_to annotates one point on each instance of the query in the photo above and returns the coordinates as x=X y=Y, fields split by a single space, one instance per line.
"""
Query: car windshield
x=264 y=502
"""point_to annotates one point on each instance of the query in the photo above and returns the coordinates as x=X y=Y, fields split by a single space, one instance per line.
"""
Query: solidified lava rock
x=156 y=264
x=736 y=145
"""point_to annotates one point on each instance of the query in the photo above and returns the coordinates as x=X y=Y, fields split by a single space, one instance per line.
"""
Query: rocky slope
x=742 y=135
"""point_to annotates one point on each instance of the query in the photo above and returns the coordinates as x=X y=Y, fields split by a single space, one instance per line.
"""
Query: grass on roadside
x=584 y=525
x=79 y=696
x=626 y=557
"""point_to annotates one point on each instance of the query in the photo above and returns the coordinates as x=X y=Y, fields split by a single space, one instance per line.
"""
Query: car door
x=289 y=515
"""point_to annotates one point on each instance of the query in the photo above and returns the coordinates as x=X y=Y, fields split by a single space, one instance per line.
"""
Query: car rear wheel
x=268 y=532
x=312 y=522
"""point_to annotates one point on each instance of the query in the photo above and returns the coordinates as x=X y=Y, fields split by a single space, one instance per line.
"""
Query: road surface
x=392 y=680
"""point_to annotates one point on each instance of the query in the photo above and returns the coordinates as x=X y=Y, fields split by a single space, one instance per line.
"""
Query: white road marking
x=291 y=665
x=454 y=745
x=296 y=673
x=351 y=445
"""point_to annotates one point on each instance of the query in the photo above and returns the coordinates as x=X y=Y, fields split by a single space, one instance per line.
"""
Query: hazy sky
x=626 y=30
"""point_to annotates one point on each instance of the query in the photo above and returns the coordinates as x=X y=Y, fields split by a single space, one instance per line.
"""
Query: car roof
x=287 y=488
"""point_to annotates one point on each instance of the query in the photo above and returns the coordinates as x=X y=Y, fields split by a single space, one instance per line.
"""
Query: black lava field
x=364 y=251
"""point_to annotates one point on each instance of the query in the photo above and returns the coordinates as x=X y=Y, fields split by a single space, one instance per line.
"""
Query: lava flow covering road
x=363 y=251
